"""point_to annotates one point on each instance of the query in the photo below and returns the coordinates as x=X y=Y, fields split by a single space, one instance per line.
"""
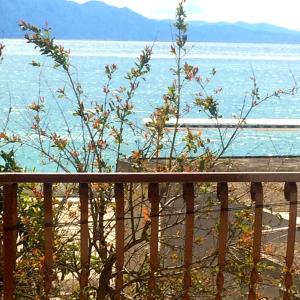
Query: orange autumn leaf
x=187 y=169
x=268 y=248
x=35 y=251
x=146 y=214
x=42 y=261
x=96 y=124
x=136 y=154
x=3 y=135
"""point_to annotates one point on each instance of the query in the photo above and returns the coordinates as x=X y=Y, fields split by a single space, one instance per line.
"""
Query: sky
x=284 y=13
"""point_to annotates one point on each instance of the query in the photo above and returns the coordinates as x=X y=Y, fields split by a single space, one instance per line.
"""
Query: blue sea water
x=274 y=66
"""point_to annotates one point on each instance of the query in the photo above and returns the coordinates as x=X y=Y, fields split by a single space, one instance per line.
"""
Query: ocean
x=274 y=67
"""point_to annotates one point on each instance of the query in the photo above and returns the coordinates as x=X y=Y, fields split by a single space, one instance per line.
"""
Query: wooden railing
x=10 y=183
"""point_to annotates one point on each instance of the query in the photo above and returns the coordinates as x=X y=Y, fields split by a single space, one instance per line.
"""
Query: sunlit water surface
x=274 y=66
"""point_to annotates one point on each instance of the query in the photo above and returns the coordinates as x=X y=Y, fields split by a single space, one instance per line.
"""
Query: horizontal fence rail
x=150 y=177
x=187 y=181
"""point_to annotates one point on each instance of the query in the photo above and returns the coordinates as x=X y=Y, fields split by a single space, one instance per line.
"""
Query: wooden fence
x=10 y=183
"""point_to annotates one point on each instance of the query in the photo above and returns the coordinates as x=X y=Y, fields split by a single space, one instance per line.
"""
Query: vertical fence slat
x=222 y=193
x=9 y=239
x=48 y=235
x=188 y=196
x=290 y=192
x=153 y=195
x=1 y=258
x=120 y=236
x=84 y=239
x=257 y=198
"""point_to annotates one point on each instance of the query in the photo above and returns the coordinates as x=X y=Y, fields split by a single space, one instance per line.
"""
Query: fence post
x=290 y=193
x=188 y=197
x=84 y=239
x=153 y=195
x=222 y=193
x=120 y=235
x=9 y=239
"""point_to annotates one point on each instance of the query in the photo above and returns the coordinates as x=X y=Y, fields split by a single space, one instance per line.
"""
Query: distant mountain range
x=99 y=21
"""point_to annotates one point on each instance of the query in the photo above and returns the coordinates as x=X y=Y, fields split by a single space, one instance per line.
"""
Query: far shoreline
x=282 y=44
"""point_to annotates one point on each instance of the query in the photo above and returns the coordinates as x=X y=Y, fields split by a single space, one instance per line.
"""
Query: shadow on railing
x=154 y=183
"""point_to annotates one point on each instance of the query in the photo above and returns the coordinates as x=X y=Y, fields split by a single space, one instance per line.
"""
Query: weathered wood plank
x=84 y=240
x=189 y=199
x=290 y=192
x=9 y=239
x=151 y=177
x=257 y=198
x=48 y=235
x=120 y=237
x=222 y=193
x=153 y=195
